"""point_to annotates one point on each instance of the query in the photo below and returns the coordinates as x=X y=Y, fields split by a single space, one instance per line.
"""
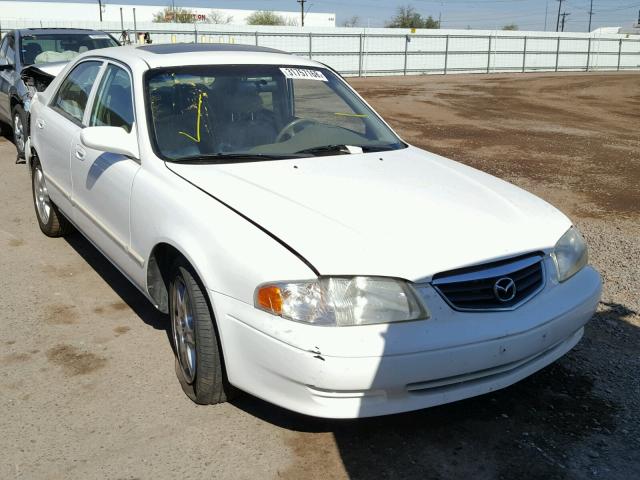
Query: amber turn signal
x=269 y=297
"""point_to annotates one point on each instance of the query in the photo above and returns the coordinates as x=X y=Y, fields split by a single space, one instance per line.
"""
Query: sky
x=478 y=14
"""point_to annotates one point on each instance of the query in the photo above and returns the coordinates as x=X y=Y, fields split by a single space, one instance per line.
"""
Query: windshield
x=60 y=47
x=254 y=112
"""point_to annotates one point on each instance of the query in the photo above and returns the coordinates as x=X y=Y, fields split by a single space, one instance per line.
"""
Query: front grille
x=474 y=288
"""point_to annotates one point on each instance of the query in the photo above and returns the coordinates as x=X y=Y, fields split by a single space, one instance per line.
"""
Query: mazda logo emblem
x=504 y=289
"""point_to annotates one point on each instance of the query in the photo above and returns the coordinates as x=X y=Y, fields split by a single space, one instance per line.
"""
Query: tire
x=51 y=221
x=20 y=126
x=199 y=363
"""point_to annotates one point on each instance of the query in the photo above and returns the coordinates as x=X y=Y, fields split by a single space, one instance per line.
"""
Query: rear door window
x=72 y=96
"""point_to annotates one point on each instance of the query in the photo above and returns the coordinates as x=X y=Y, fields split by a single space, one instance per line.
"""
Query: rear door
x=58 y=124
x=102 y=181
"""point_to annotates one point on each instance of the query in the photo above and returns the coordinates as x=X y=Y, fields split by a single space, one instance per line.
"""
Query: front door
x=102 y=181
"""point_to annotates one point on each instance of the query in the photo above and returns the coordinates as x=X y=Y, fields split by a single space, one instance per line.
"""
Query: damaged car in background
x=29 y=60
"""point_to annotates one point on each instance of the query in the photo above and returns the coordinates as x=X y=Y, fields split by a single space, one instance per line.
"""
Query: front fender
x=230 y=255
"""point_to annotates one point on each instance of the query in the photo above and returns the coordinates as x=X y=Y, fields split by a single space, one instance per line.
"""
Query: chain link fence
x=362 y=52
x=391 y=54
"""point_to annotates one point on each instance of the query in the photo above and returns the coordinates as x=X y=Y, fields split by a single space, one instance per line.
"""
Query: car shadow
x=118 y=283
x=558 y=423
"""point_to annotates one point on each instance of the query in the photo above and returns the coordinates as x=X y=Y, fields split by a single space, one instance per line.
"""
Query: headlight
x=570 y=254
x=342 y=301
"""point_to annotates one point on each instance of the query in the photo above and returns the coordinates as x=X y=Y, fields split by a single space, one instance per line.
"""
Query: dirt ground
x=87 y=388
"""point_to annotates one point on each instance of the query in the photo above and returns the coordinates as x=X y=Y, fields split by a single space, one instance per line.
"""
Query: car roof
x=56 y=31
x=181 y=54
x=169 y=48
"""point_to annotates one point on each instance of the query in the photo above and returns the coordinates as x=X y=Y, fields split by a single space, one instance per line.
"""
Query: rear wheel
x=51 y=221
x=199 y=362
x=20 y=129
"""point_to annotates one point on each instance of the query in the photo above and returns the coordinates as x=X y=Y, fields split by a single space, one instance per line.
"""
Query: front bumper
x=374 y=370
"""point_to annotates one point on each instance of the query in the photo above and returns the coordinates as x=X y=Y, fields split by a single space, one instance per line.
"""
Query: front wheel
x=199 y=363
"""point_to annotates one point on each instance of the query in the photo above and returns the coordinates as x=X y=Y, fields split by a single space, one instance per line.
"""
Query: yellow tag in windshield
x=197 y=137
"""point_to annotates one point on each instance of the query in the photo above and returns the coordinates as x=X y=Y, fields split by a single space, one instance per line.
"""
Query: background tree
x=408 y=17
x=219 y=18
x=351 y=22
x=430 y=22
x=174 y=15
x=264 y=17
x=510 y=26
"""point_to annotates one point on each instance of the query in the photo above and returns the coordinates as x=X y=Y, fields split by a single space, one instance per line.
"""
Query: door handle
x=40 y=123
x=80 y=152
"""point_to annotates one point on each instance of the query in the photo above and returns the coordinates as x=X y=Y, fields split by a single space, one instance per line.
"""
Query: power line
x=546 y=12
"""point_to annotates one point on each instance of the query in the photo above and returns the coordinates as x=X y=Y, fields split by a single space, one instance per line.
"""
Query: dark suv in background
x=29 y=59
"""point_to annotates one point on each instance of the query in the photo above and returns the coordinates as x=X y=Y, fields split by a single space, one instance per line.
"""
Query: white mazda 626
x=304 y=253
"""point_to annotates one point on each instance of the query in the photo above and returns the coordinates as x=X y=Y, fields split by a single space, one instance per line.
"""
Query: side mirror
x=5 y=65
x=112 y=140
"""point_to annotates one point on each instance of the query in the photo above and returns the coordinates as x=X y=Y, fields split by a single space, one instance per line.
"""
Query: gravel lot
x=87 y=388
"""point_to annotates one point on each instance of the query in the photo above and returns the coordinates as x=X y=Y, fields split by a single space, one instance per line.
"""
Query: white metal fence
x=378 y=51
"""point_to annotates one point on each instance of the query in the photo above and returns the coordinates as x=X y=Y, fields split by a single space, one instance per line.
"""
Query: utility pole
x=100 y=7
x=301 y=2
x=590 y=15
x=558 y=20
x=564 y=16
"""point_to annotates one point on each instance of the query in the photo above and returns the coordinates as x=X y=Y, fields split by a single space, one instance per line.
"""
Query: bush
x=264 y=17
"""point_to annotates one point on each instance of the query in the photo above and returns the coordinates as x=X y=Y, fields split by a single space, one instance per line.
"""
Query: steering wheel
x=293 y=127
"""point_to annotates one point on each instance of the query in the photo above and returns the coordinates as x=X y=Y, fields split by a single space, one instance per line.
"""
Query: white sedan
x=304 y=252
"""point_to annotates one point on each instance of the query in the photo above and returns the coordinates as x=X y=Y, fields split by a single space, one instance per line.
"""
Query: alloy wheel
x=183 y=327
x=41 y=195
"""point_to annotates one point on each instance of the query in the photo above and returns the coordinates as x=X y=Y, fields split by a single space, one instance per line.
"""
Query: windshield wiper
x=378 y=148
x=220 y=157
x=327 y=149
x=347 y=149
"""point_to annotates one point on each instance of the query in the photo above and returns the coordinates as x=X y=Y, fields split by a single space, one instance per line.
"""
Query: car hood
x=405 y=213
x=52 y=69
